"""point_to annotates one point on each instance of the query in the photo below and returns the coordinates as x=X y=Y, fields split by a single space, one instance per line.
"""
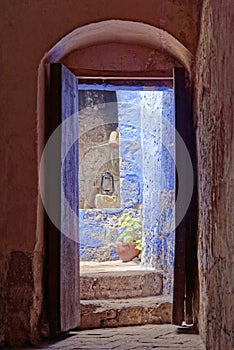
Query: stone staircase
x=115 y=294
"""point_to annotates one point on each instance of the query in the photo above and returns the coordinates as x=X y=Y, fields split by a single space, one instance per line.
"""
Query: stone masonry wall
x=146 y=183
x=98 y=117
x=215 y=128
x=99 y=227
x=129 y=105
x=158 y=182
x=29 y=29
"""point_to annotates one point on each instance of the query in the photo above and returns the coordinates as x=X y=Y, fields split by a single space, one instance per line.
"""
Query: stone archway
x=106 y=32
x=119 y=31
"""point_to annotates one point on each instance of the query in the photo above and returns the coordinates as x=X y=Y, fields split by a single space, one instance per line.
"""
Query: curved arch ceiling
x=119 y=31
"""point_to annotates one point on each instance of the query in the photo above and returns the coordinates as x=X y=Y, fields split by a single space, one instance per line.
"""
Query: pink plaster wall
x=29 y=29
x=129 y=58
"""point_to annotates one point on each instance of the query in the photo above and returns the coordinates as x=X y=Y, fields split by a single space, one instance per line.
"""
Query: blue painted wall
x=158 y=182
x=98 y=234
x=129 y=112
x=146 y=120
x=99 y=227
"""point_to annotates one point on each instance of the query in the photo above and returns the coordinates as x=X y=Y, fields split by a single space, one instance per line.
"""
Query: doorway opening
x=62 y=258
x=126 y=143
x=148 y=148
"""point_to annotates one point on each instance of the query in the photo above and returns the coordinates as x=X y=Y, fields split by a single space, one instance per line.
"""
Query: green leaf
x=130 y=228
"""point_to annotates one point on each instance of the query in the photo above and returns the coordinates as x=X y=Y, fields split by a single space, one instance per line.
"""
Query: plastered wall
x=130 y=58
x=215 y=128
x=28 y=29
x=158 y=183
x=98 y=117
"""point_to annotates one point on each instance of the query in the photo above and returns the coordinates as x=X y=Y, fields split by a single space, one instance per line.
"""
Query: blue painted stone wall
x=98 y=234
x=129 y=111
x=99 y=227
x=158 y=182
x=146 y=120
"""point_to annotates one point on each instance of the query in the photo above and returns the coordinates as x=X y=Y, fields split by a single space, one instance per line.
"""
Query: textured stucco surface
x=28 y=30
x=98 y=234
x=99 y=228
x=214 y=105
x=129 y=104
x=19 y=294
x=130 y=58
x=146 y=127
x=158 y=182
x=98 y=117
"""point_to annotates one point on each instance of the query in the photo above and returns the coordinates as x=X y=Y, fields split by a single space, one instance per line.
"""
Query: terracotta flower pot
x=127 y=251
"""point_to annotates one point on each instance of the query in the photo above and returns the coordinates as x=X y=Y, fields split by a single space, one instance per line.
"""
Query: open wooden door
x=185 y=264
x=62 y=240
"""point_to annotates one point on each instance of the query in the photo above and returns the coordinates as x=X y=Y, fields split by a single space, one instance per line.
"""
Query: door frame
x=61 y=247
x=185 y=265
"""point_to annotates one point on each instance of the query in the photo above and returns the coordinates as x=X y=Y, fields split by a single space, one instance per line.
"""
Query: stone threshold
x=125 y=312
x=120 y=284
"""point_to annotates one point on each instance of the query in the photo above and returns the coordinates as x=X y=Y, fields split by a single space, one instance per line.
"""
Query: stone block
x=105 y=201
x=125 y=312
x=124 y=284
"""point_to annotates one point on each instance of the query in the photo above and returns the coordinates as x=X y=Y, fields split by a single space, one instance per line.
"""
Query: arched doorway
x=94 y=37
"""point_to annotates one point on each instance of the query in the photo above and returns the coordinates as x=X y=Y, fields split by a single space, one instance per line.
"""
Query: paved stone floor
x=161 y=337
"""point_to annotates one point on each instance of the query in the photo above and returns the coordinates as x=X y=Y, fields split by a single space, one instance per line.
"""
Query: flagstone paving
x=161 y=337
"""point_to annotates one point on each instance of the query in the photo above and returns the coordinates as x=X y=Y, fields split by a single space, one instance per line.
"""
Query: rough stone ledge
x=125 y=312
x=118 y=285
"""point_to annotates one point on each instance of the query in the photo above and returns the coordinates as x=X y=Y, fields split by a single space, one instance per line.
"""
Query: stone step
x=125 y=312
x=120 y=284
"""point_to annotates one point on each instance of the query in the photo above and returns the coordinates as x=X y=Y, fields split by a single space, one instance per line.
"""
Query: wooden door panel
x=69 y=249
x=63 y=244
x=185 y=265
x=180 y=231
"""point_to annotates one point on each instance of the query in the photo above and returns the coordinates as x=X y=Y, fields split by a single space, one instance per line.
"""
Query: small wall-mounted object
x=114 y=139
x=107 y=184
x=104 y=201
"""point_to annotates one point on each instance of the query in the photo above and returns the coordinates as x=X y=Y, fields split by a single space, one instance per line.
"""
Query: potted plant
x=129 y=241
